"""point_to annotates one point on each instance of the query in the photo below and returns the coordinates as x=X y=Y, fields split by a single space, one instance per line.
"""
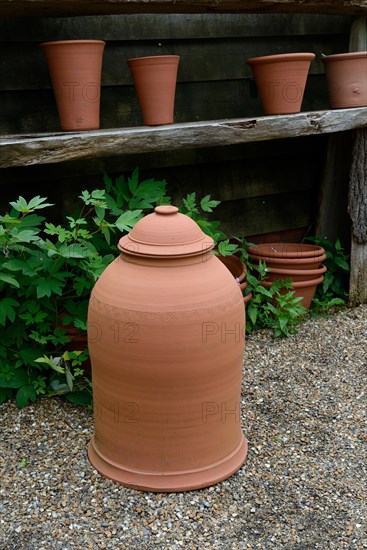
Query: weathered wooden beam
x=51 y=8
x=357 y=201
x=25 y=150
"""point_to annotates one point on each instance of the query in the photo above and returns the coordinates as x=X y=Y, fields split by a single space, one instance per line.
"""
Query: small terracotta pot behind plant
x=155 y=84
x=238 y=270
x=346 y=75
x=75 y=69
x=281 y=80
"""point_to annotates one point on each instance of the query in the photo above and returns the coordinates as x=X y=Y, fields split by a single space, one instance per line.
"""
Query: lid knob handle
x=166 y=209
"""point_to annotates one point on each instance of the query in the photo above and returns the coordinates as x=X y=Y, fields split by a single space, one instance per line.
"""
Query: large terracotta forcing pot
x=166 y=337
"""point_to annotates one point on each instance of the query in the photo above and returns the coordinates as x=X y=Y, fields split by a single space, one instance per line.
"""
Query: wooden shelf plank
x=51 y=8
x=23 y=150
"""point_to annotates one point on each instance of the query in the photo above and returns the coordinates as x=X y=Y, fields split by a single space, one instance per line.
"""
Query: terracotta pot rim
x=343 y=56
x=71 y=42
x=152 y=57
x=291 y=261
x=241 y=265
x=299 y=272
x=305 y=250
x=247 y=298
x=279 y=57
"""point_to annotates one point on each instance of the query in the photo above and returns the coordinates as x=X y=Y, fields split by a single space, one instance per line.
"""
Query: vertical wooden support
x=357 y=202
x=332 y=218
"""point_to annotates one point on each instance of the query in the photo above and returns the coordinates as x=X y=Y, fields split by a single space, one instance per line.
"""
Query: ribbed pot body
x=155 y=84
x=281 y=80
x=346 y=75
x=166 y=340
x=75 y=68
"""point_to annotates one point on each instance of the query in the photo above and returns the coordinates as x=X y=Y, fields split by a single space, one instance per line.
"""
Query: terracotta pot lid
x=166 y=232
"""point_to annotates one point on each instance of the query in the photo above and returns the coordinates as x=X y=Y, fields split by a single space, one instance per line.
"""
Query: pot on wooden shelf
x=346 y=75
x=155 y=80
x=75 y=68
x=281 y=80
x=167 y=362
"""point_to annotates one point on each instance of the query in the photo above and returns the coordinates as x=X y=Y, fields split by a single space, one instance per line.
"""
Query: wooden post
x=357 y=202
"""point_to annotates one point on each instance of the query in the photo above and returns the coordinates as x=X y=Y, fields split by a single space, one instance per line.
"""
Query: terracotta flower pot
x=281 y=80
x=289 y=250
x=237 y=268
x=294 y=274
x=346 y=75
x=75 y=69
x=155 y=84
x=166 y=323
x=288 y=255
x=289 y=263
x=304 y=289
x=247 y=298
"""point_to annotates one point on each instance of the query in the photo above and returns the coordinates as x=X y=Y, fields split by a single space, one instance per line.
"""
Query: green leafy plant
x=275 y=307
x=47 y=272
x=334 y=289
x=199 y=210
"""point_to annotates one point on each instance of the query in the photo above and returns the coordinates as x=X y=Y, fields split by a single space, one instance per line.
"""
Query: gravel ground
x=303 y=485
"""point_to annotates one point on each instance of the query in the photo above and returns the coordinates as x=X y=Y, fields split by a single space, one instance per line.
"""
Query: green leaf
x=7 y=310
x=46 y=287
x=27 y=235
x=53 y=362
x=133 y=181
x=16 y=379
x=59 y=386
x=62 y=233
x=21 y=204
x=190 y=202
x=342 y=263
x=14 y=265
x=80 y=397
x=37 y=203
x=5 y=394
x=69 y=378
x=252 y=313
x=24 y=395
x=226 y=249
x=207 y=204
x=128 y=219
x=9 y=279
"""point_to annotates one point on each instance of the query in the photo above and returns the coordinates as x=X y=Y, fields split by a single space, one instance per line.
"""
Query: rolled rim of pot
x=289 y=250
x=280 y=57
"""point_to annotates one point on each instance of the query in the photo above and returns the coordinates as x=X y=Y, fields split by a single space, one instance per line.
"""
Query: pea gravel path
x=303 y=485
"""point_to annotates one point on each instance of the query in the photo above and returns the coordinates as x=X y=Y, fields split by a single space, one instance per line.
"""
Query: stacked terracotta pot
x=302 y=263
x=238 y=270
